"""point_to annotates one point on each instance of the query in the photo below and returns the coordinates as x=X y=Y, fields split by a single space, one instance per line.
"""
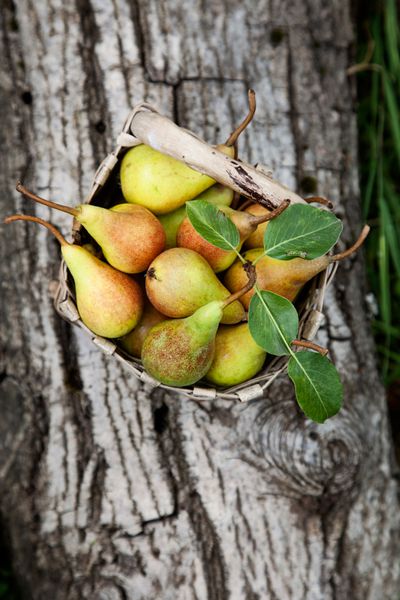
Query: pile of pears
x=153 y=284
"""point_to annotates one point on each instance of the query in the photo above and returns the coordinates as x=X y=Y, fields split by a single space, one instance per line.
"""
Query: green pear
x=180 y=352
x=179 y=281
x=159 y=182
x=110 y=303
x=218 y=194
x=162 y=183
x=130 y=236
x=171 y=223
x=237 y=357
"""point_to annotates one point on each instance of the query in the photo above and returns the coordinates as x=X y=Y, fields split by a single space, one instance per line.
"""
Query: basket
x=145 y=125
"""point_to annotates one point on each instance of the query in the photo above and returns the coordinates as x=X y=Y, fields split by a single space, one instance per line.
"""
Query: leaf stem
x=290 y=351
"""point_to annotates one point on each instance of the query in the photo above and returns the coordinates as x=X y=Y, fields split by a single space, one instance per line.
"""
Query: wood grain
x=108 y=491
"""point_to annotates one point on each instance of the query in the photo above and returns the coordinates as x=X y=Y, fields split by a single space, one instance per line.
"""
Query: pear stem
x=25 y=192
x=232 y=139
x=272 y=214
x=49 y=226
x=353 y=248
x=311 y=346
x=251 y=275
x=319 y=200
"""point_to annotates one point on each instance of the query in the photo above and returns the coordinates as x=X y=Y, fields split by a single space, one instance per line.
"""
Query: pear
x=180 y=352
x=133 y=341
x=218 y=194
x=283 y=277
x=179 y=281
x=237 y=357
x=162 y=183
x=256 y=239
x=218 y=259
x=159 y=182
x=171 y=223
x=110 y=303
x=130 y=236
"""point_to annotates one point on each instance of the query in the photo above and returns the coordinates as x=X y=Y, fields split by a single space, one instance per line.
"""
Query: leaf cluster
x=301 y=231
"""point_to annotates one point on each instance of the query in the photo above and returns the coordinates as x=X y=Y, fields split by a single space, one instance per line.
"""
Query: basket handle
x=147 y=126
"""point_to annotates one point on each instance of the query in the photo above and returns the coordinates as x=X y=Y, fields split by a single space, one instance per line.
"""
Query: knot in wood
x=306 y=458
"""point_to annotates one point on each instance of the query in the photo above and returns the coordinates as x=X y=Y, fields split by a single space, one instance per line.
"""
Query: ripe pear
x=110 y=303
x=132 y=342
x=237 y=357
x=180 y=352
x=159 y=182
x=218 y=194
x=162 y=183
x=130 y=236
x=179 y=281
x=218 y=259
x=256 y=239
x=283 y=277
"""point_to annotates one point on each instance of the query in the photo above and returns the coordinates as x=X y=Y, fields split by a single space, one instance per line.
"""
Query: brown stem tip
x=310 y=346
x=25 y=192
x=232 y=139
x=272 y=214
x=319 y=200
x=361 y=239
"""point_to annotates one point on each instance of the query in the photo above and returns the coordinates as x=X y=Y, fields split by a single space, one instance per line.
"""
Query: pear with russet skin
x=218 y=194
x=130 y=236
x=283 y=277
x=219 y=259
x=180 y=352
x=236 y=358
x=132 y=342
x=110 y=303
x=179 y=281
x=162 y=183
x=256 y=239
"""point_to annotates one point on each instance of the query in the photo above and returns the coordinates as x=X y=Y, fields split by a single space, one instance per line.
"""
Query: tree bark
x=109 y=490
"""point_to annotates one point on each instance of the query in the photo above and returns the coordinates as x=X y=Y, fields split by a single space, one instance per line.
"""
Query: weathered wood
x=108 y=491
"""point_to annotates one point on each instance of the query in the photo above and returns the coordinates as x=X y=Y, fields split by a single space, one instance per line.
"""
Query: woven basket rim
x=310 y=312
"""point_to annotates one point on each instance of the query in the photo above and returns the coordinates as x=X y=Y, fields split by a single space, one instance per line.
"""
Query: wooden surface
x=106 y=491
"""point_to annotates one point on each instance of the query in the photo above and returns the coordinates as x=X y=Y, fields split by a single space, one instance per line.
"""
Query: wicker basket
x=146 y=125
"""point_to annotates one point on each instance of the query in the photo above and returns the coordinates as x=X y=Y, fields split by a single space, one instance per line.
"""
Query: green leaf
x=319 y=390
x=302 y=231
x=212 y=224
x=273 y=322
